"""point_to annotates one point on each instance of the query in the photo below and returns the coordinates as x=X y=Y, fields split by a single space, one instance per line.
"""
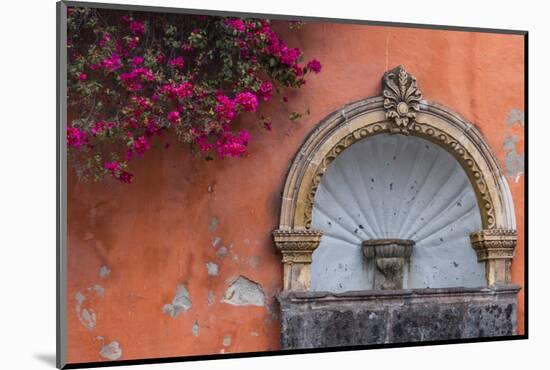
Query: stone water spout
x=390 y=257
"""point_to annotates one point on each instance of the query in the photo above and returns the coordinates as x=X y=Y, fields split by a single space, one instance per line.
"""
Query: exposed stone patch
x=514 y=160
x=213 y=224
x=111 y=351
x=86 y=316
x=211 y=298
x=98 y=289
x=516 y=115
x=255 y=334
x=226 y=341
x=222 y=252
x=181 y=302
x=212 y=269
x=244 y=292
x=216 y=241
x=195 y=329
x=104 y=271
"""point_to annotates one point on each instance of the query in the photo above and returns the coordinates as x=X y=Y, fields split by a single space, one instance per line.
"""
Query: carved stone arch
x=399 y=110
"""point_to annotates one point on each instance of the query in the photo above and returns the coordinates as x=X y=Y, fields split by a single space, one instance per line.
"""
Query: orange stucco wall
x=159 y=232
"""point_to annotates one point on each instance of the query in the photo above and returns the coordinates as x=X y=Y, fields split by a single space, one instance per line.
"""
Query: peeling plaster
x=111 y=351
x=216 y=241
x=222 y=252
x=226 y=341
x=212 y=269
x=516 y=115
x=195 y=329
x=514 y=160
x=211 y=298
x=98 y=289
x=244 y=292
x=86 y=316
x=181 y=302
x=104 y=271
x=213 y=224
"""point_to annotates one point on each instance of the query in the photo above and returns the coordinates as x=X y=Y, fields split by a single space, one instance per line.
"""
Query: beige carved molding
x=377 y=115
x=401 y=99
x=297 y=247
x=495 y=247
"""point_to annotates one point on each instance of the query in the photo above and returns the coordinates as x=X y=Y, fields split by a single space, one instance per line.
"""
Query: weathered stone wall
x=320 y=319
x=182 y=262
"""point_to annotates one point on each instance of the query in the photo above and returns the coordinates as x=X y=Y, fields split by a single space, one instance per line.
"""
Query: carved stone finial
x=401 y=99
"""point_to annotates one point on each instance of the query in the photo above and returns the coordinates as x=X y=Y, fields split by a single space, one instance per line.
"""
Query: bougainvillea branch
x=132 y=77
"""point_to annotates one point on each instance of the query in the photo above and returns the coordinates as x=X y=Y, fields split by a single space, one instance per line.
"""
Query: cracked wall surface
x=182 y=216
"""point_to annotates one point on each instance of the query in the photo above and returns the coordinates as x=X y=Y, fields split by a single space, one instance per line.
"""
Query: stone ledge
x=322 y=319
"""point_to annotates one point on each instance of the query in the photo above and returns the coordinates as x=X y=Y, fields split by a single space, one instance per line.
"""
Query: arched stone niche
x=331 y=198
x=399 y=111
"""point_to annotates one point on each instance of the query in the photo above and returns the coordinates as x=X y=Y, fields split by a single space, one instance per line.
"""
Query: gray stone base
x=320 y=319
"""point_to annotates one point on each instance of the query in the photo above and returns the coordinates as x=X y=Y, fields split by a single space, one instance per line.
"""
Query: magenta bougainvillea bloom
x=225 y=108
x=314 y=65
x=247 y=100
x=178 y=62
x=266 y=90
x=112 y=63
x=230 y=145
x=76 y=137
x=174 y=116
x=236 y=24
x=136 y=61
x=137 y=28
x=137 y=76
x=141 y=146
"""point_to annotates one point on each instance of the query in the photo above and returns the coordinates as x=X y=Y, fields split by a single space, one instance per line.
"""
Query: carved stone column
x=297 y=246
x=495 y=247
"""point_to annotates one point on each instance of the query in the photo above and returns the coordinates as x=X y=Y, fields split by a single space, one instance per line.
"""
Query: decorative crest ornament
x=401 y=99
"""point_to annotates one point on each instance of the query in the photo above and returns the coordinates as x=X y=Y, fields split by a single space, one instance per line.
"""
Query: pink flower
x=177 y=62
x=133 y=43
x=97 y=128
x=113 y=63
x=83 y=76
x=125 y=177
x=225 y=108
x=236 y=24
x=183 y=90
x=174 y=116
x=266 y=90
x=137 y=28
x=230 y=145
x=136 y=61
x=160 y=58
x=111 y=166
x=247 y=100
x=289 y=56
x=106 y=37
x=117 y=172
x=201 y=139
x=314 y=65
x=76 y=137
x=141 y=146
